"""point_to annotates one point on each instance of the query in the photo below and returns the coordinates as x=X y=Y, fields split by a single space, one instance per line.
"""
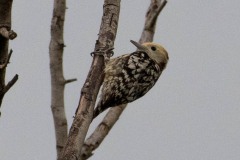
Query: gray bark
x=58 y=81
x=83 y=116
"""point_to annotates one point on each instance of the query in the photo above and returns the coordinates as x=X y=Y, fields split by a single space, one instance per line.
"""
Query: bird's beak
x=139 y=46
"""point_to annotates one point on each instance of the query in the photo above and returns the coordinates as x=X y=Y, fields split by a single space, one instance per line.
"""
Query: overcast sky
x=192 y=113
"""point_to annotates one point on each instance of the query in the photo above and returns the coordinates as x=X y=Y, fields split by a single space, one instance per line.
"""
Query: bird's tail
x=97 y=110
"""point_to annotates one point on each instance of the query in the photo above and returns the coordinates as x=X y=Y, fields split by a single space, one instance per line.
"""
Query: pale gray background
x=192 y=113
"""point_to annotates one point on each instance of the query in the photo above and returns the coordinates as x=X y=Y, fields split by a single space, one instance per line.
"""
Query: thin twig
x=9 y=85
x=70 y=80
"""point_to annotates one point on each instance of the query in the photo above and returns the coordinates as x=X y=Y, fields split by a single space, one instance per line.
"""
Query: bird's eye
x=153 y=48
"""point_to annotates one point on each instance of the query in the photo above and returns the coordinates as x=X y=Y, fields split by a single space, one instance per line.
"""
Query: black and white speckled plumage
x=127 y=78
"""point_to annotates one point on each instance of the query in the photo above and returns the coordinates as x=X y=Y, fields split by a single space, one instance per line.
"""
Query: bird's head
x=155 y=51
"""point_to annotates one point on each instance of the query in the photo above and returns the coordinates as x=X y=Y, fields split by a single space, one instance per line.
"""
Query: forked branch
x=83 y=116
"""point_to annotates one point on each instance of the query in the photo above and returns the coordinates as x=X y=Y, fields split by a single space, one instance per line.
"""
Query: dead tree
x=6 y=34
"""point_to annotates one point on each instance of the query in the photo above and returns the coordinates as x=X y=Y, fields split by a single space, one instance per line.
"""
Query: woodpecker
x=131 y=76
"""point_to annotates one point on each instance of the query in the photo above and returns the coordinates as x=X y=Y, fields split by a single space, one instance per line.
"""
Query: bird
x=130 y=76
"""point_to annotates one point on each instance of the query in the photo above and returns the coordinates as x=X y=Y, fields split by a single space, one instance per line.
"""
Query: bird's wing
x=128 y=78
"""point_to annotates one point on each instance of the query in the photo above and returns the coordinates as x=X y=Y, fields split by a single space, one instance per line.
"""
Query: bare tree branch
x=114 y=113
x=101 y=131
x=4 y=90
x=58 y=82
x=5 y=35
x=83 y=116
x=152 y=14
x=9 y=85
